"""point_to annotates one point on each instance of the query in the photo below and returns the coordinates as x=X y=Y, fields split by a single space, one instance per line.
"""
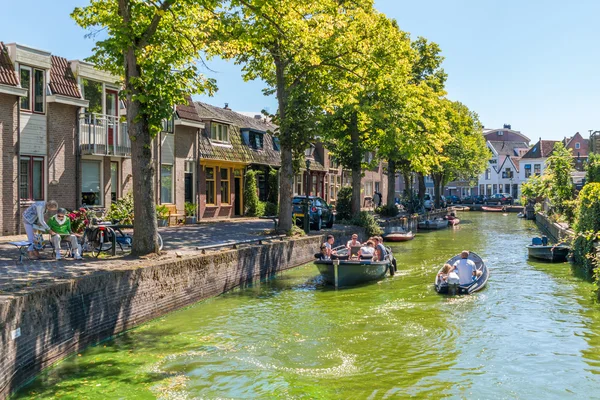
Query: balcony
x=101 y=134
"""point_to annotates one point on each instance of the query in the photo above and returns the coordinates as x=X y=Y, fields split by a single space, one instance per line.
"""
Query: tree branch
x=143 y=40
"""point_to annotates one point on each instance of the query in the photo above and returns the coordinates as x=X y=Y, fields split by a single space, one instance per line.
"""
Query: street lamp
x=308 y=154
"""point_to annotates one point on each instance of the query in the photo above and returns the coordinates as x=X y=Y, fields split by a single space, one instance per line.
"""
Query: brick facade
x=9 y=219
x=62 y=149
x=185 y=150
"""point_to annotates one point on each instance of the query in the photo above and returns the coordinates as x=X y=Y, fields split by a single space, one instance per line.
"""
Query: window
x=224 y=185
x=114 y=181
x=495 y=188
x=91 y=183
x=256 y=140
x=92 y=92
x=218 y=132
x=527 y=170
x=500 y=133
x=537 y=169
x=210 y=185
x=577 y=145
x=507 y=188
x=276 y=145
x=368 y=188
x=377 y=187
x=33 y=80
x=333 y=162
x=299 y=184
x=166 y=184
x=481 y=189
x=31 y=185
x=487 y=174
x=488 y=189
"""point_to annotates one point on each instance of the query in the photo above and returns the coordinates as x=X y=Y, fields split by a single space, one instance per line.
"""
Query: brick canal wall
x=556 y=231
x=62 y=318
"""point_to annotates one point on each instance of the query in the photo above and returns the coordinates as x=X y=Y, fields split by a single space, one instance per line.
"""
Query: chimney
x=227 y=106
x=507 y=126
x=258 y=117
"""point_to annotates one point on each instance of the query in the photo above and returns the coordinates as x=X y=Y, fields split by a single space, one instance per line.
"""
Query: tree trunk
x=436 y=189
x=287 y=157
x=391 y=194
x=356 y=163
x=142 y=167
x=422 y=188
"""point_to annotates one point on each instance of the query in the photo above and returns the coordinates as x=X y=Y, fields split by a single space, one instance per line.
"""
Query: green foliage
x=368 y=221
x=534 y=189
x=344 y=203
x=271 y=209
x=251 y=202
x=122 y=210
x=560 y=187
x=190 y=209
x=273 y=184
x=587 y=226
x=388 y=210
x=81 y=218
x=162 y=211
x=592 y=168
x=295 y=231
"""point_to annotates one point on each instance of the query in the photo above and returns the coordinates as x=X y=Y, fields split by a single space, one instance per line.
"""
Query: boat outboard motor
x=453 y=283
x=544 y=240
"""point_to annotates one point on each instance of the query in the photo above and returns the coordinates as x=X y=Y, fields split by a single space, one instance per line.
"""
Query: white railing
x=103 y=135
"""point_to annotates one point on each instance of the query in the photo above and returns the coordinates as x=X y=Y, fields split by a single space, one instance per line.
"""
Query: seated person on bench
x=60 y=229
x=367 y=251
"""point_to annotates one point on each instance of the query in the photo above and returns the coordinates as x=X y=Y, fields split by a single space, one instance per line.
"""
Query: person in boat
x=443 y=274
x=367 y=251
x=323 y=254
x=380 y=251
x=465 y=268
x=353 y=242
x=328 y=245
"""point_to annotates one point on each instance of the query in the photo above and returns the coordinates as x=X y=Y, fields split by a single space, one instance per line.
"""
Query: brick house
x=580 y=148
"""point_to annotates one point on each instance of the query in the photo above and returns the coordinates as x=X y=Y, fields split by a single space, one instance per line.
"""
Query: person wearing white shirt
x=466 y=268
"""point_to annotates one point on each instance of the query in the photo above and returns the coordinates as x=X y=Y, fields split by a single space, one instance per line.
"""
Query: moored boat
x=479 y=283
x=452 y=220
x=398 y=236
x=493 y=209
x=430 y=224
x=541 y=250
x=344 y=271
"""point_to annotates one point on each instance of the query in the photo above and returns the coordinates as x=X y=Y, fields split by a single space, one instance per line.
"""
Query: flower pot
x=162 y=222
x=190 y=220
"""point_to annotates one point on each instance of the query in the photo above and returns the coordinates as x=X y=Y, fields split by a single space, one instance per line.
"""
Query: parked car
x=476 y=199
x=453 y=199
x=499 y=198
x=320 y=213
x=429 y=203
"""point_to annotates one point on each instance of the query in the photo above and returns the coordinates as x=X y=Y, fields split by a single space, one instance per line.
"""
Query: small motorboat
x=398 y=236
x=520 y=215
x=541 y=250
x=493 y=209
x=452 y=220
x=347 y=270
x=430 y=224
x=479 y=283
x=461 y=208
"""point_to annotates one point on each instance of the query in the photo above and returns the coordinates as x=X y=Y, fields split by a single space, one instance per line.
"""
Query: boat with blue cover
x=542 y=250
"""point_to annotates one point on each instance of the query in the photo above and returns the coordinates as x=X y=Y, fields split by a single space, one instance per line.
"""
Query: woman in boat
x=354 y=242
x=443 y=274
x=367 y=251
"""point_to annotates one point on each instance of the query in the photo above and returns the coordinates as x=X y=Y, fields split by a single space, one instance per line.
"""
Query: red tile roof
x=62 y=80
x=541 y=149
x=7 y=69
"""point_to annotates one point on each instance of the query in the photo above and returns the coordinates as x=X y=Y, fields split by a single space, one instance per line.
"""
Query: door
x=237 y=206
x=112 y=113
x=189 y=187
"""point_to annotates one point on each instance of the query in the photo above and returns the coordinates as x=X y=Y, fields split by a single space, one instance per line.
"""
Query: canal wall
x=557 y=232
x=48 y=323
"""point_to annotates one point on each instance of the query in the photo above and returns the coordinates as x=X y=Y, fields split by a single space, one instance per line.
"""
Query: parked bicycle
x=125 y=240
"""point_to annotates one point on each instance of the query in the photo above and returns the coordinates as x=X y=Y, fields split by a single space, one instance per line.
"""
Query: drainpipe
x=77 y=162
x=18 y=165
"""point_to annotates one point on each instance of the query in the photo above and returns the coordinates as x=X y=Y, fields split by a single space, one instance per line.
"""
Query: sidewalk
x=182 y=240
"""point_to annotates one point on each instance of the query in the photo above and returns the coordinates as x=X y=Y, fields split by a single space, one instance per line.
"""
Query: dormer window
x=218 y=132
x=256 y=140
x=276 y=145
x=34 y=81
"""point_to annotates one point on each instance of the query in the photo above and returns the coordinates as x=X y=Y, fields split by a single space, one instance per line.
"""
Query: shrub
x=271 y=209
x=162 y=211
x=190 y=209
x=587 y=226
x=122 y=210
x=251 y=194
x=81 y=218
x=368 y=221
x=260 y=209
x=592 y=169
x=273 y=184
x=389 y=210
x=344 y=203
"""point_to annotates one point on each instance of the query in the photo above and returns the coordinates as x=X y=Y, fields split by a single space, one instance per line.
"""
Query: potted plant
x=190 y=212
x=162 y=215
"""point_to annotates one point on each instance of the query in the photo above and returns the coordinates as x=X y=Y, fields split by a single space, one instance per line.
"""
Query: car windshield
x=298 y=200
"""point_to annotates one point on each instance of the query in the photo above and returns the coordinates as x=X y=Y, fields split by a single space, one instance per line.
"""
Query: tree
x=153 y=47
x=289 y=44
x=560 y=187
x=592 y=169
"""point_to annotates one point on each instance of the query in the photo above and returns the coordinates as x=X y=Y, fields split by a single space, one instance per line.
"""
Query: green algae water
x=532 y=333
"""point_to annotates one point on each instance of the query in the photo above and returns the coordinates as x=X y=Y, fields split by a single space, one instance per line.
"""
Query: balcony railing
x=101 y=134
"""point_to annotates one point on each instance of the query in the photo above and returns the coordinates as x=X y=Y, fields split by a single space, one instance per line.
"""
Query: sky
x=534 y=64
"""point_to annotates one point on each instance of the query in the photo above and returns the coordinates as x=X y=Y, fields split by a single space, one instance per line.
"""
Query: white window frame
x=219 y=132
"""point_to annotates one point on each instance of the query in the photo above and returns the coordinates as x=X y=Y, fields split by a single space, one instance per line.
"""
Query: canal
x=532 y=333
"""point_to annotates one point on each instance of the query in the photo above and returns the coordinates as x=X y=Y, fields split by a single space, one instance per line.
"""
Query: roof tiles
x=188 y=111
x=8 y=75
x=62 y=80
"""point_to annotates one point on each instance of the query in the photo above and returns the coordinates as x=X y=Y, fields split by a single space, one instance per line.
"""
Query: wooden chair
x=174 y=215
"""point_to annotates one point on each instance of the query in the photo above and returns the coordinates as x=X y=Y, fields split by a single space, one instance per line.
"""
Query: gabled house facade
x=580 y=149
x=534 y=161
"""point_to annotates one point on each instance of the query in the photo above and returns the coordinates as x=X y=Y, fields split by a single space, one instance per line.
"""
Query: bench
x=174 y=214
x=22 y=246
x=275 y=219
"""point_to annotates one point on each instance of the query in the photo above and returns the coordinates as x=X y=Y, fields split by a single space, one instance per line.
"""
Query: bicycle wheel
x=101 y=241
x=160 y=241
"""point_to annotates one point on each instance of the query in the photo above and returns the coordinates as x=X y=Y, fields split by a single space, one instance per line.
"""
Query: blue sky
x=533 y=64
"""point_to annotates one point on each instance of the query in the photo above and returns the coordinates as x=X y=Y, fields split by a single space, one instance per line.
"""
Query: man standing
x=466 y=268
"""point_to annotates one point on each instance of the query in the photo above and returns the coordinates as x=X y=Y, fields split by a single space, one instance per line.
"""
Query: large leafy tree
x=153 y=46
x=560 y=188
x=291 y=45
x=466 y=153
